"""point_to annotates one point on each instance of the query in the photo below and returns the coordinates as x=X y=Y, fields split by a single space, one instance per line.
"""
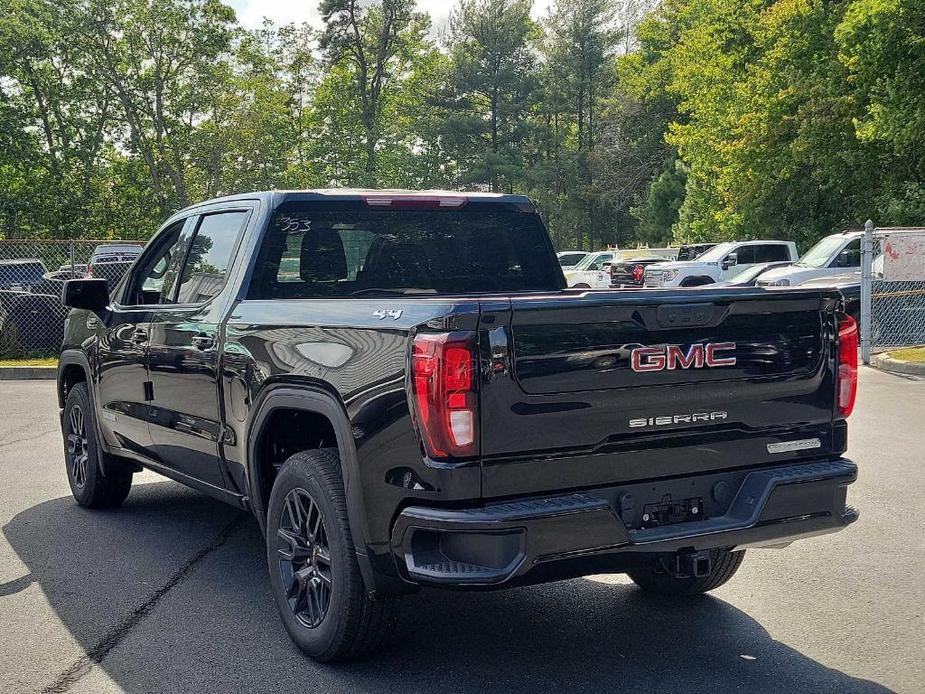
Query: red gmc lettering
x=713 y=348
x=677 y=359
x=673 y=357
x=654 y=359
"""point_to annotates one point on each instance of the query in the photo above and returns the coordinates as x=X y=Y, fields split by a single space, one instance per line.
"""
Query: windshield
x=347 y=249
x=594 y=259
x=751 y=273
x=716 y=254
x=820 y=254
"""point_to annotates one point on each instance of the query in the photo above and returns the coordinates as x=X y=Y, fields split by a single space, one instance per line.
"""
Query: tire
x=90 y=487
x=656 y=580
x=314 y=574
x=582 y=285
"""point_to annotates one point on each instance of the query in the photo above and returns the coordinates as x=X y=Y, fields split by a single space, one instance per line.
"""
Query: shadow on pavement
x=217 y=628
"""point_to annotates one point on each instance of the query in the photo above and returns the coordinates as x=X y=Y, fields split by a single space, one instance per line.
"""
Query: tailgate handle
x=684 y=316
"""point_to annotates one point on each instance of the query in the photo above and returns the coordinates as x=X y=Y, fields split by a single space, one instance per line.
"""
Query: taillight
x=89 y=271
x=847 y=364
x=443 y=384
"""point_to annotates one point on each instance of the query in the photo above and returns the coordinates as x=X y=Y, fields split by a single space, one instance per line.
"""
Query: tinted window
x=153 y=280
x=209 y=257
x=343 y=249
x=744 y=255
x=771 y=253
x=850 y=256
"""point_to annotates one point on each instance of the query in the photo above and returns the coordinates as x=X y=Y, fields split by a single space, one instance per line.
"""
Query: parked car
x=723 y=262
x=751 y=276
x=115 y=253
x=111 y=271
x=629 y=273
x=691 y=251
x=833 y=255
x=849 y=284
x=21 y=274
x=400 y=389
x=76 y=268
x=30 y=322
x=592 y=272
x=569 y=259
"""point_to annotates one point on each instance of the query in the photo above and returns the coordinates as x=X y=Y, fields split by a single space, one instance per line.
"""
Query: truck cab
x=721 y=263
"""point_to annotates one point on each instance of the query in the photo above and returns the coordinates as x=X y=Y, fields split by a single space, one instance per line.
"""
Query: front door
x=183 y=352
x=122 y=387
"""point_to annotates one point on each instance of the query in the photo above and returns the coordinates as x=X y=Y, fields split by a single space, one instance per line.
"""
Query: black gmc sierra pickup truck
x=401 y=390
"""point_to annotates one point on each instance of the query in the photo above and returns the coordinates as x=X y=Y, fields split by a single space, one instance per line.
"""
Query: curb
x=888 y=363
x=25 y=373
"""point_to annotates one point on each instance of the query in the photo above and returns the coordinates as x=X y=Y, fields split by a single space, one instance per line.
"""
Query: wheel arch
x=317 y=401
x=73 y=367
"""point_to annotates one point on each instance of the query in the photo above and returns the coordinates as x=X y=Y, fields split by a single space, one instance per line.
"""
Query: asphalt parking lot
x=169 y=594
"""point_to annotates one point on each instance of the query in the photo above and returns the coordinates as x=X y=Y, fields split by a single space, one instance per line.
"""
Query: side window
x=745 y=255
x=771 y=253
x=209 y=257
x=153 y=280
x=850 y=255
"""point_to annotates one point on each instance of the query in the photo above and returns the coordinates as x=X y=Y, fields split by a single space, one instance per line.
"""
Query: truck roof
x=277 y=197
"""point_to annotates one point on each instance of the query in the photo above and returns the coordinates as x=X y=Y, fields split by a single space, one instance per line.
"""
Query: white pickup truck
x=591 y=272
x=834 y=255
x=720 y=264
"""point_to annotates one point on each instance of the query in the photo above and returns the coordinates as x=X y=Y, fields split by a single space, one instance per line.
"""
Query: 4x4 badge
x=383 y=313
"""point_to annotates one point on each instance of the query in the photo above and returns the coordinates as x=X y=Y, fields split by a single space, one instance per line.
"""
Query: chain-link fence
x=32 y=273
x=892 y=288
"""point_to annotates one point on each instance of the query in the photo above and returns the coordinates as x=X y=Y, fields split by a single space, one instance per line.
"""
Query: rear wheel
x=314 y=574
x=582 y=285
x=657 y=579
x=90 y=487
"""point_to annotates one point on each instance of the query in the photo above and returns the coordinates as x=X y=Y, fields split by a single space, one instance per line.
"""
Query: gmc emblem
x=672 y=357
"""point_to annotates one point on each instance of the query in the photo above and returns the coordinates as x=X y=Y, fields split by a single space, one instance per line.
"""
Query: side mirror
x=731 y=260
x=91 y=294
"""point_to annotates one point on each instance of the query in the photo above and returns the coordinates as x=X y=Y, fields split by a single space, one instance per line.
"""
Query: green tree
x=490 y=85
x=377 y=42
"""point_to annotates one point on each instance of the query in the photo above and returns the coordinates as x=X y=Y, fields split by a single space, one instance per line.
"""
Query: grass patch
x=47 y=361
x=910 y=354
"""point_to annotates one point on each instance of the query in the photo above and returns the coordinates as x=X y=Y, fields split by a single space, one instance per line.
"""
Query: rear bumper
x=540 y=539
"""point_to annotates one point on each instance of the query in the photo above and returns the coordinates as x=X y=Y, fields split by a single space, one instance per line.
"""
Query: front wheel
x=656 y=578
x=314 y=574
x=90 y=487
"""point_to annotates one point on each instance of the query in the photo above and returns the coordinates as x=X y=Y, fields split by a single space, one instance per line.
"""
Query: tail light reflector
x=443 y=373
x=847 y=364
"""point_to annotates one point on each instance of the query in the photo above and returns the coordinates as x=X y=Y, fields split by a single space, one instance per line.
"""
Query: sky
x=252 y=12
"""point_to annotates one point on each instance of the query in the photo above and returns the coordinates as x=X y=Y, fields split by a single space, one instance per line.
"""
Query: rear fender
x=317 y=401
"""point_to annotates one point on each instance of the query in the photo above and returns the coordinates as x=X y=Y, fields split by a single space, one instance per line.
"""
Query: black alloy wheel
x=84 y=461
x=78 y=446
x=304 y=558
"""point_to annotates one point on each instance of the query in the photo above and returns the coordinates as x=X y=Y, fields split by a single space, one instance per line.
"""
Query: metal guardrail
x=32 y=273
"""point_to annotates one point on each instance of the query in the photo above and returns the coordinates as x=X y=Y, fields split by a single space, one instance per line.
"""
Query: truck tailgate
x=564 y=406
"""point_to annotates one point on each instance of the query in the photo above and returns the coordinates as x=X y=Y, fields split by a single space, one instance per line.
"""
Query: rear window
x=346 y=249
x=18 y=273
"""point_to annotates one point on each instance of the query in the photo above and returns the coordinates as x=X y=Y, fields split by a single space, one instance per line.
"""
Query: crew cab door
x=123 y=387
x=183 y=349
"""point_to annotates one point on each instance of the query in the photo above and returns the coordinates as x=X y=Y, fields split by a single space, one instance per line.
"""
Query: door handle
x=203 y=341
x=139 y=335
